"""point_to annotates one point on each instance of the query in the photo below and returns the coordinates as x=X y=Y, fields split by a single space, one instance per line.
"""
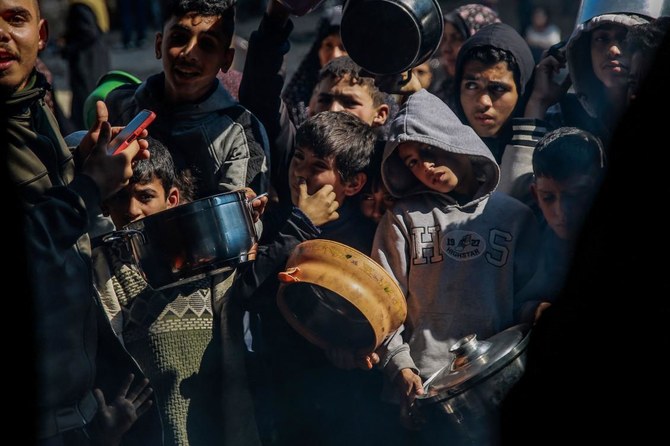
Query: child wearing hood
x=493 y=73
x=599 y=73
x=461 y=253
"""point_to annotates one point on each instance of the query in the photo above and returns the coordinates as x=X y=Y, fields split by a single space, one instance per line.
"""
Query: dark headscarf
x=468 y=19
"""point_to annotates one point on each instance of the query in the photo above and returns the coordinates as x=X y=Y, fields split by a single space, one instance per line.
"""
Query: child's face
x=375 y=202
x=424 y=73
x=610 y=62
x=436 y=169
x=341 y=95
x=137 y=201
x=331 y=47
x=193 y=49
x=564 y=203
x=317 y=172
x=488 y=96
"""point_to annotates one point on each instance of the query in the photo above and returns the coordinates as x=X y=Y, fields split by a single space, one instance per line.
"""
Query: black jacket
x=59 y=207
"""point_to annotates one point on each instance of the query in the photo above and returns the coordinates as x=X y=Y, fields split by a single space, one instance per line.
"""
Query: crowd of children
x=472 y=199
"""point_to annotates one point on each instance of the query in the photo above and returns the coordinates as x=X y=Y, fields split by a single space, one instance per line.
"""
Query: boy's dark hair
x=566 y=152
x=341 y=136
x=160 y=165
x=345 y=66
x=207 y=8
x=489 y=55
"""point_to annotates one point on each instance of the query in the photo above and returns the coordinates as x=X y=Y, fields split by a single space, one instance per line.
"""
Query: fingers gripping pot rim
x=336 y=296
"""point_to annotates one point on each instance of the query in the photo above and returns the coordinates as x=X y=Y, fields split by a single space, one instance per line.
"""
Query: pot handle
x=123 y=235
x=289 y=276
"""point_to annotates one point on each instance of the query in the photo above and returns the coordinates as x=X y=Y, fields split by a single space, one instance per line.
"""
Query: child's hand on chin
x=321 y=207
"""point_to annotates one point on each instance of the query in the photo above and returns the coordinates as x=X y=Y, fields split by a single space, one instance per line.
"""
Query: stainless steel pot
x=191 y=241
x=391 y=36
x=462 y=400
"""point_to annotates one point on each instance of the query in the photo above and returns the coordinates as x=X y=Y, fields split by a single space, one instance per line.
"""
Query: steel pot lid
x=474 y=361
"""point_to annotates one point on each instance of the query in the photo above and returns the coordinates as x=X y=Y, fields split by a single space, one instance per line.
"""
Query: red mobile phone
x=131 y=131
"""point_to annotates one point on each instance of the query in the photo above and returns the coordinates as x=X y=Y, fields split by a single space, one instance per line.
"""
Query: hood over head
x=425 y=119
x=585 y=84
x=504 y=37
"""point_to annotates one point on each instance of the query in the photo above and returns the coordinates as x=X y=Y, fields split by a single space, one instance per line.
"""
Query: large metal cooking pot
x=337 y=297
x=462 y=400
x=391 y=36
x=191 y=241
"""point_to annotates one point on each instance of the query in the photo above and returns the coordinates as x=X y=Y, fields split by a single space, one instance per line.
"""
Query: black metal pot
x=191 y=241
x=391 y=36
x=462 y=400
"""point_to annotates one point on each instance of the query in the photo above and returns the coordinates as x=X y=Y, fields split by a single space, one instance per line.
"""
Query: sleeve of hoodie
x=62 y=216
x=261 y=87
x=516 y=166
x=391 y=250
x=254 y=279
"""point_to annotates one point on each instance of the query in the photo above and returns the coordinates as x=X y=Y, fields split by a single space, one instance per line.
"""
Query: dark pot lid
x=474 y=361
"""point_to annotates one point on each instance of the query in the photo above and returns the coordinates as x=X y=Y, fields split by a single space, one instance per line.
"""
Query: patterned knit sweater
x=176 y=339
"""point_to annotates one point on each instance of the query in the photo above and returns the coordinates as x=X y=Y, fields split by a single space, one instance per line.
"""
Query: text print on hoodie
x=463 y=266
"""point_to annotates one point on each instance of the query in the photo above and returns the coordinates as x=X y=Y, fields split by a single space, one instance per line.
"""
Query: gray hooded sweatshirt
x=462 y=267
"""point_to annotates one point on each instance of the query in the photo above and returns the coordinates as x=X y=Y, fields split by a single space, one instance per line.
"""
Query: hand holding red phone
x=110 y=173
x=131 y=131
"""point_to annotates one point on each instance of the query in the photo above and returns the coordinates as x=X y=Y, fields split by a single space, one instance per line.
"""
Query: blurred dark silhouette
x=594 y=359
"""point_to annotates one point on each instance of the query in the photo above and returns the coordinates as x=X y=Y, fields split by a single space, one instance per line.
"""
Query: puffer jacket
x=221 y=142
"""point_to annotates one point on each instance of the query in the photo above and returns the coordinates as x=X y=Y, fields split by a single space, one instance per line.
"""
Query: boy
x=206 y=131
x=568 y=166
x=181 y=337
x=460 y=252
x=332 y=152
x=342 y=85
x=493 y=71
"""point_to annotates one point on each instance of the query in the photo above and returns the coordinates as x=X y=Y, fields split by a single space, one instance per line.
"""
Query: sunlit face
x=331 y=47
x=424 y=73
x=438 y=170
x=375 y=202
x=564 y=204
x=610 y=63
x=488 y=96
x=193 y=49
x=137 y=201
x=22 y=35
x=341 y=95
x=316 y=172
x=451 y=43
